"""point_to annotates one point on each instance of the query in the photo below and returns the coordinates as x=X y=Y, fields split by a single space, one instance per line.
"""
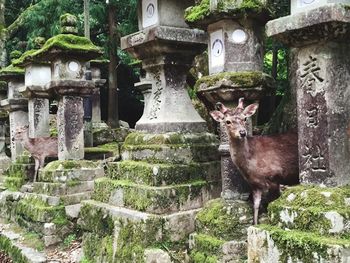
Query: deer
x=39 y=148
x=266 y=162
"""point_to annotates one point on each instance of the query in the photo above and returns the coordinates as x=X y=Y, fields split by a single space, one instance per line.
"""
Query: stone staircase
x=150 y=199
x=50 y=207
x=307 y=224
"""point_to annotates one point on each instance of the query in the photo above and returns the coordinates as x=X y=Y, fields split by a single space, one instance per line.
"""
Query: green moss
x=15 y=54
x=33 y=240
x=98 y=247
x=198 y=12
x=65 y=43
x=302 y=245
x=223 y=220
x=95 y=219
x=244 y=79
x=150 y=199
x=70 y=164
x=68 y=20
x=162 y=174
x=310 y=203
x=11 y=70
x=20 y=61
x=34 y=209
x=14 y=252
x=232 y=8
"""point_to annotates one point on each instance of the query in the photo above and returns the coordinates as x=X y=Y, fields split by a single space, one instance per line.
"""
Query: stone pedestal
x=70 y=117
x=322 y=96
x=167 y=55
x=311 y=218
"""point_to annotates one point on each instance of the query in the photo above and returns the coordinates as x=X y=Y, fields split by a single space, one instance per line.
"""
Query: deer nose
x=243 y=133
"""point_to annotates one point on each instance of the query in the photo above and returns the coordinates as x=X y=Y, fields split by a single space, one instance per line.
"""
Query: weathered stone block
x=61 y=189
x=159 y=174
x=225 y=220
x=273 y=244
x=68 y=171
x=316 y=209
x=158 y=200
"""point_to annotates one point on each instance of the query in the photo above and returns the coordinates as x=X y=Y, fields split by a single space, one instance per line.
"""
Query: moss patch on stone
x=11 y=70
x=70 y=164
x=307 y=206
x=224 y=221
x=244 y=79
x=208 y=249
x=302 y=245
x=65 y=43
x=156 y=200
x=36 y=210
x=11 y=250
x=232 y=8
x=20 y=61
x=163 y=174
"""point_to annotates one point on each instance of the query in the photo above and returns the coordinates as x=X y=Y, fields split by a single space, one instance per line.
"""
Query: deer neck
x=239 y=149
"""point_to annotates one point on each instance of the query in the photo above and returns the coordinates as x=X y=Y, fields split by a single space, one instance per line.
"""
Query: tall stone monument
x=37 y=76
x=15 y=104
x=235 y=70
x=318 y=31
x=68 y=55
x=235 y=66
x=169 y=166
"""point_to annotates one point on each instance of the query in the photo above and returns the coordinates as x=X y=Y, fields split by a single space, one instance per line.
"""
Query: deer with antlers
x=265 y=162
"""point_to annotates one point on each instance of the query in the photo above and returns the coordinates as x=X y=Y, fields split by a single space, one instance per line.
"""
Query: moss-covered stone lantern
x=15 y=104
x=37 y=76
x=68 y=55
x=236 y=30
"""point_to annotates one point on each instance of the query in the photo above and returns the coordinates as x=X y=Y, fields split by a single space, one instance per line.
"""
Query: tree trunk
x=113 y=115
x=86 y=19
x=3 y=55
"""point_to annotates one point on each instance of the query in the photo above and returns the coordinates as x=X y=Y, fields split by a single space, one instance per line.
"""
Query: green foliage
x=67 y=242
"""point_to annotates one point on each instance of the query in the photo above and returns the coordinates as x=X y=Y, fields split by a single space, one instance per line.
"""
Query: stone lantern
x=4 y=160
x=68 y=55
x=37 y=76
x=235 y=66
x=318 y=32
x=15 y=104
x=171 y=148
x=96 y=66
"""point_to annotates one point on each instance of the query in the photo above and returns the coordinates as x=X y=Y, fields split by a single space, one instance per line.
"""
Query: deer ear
x=250 y=110
x=217 y=115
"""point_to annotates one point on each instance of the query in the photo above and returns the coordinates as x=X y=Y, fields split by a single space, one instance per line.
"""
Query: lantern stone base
x=221 y=231
x=151 y=197
x=53 y=205
x=306 y=224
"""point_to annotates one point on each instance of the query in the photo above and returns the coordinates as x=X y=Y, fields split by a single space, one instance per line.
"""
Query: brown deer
x=39 y=148
x=265 y=162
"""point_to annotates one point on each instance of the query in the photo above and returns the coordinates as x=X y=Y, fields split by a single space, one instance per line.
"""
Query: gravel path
x=4 y=258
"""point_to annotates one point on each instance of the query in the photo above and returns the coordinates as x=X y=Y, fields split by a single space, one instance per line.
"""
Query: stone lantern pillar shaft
x=38 y=115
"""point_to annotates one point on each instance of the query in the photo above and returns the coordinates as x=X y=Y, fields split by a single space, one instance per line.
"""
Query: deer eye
x=228 y=122
x=245 y=119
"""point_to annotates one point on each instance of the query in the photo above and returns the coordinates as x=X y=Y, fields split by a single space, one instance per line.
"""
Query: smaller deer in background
x=39 y=148
x=265 y=162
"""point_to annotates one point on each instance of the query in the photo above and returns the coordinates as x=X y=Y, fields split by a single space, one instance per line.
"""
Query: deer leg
x=37 y=164
x=256 y=200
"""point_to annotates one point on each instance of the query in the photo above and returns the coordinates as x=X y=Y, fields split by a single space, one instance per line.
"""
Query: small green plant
x=69 y=240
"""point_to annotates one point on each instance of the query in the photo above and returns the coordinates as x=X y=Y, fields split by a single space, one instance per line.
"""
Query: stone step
x=154 y=174
x=70 y=199
x=98 y=217
x=14 y=183
x=156 y=200
x=18 y=247
x=273 y=244
x=35 y=210
x=61 y=172
x=322 y=210
x=62 y=189
x=206 y=248
x=102 y=152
